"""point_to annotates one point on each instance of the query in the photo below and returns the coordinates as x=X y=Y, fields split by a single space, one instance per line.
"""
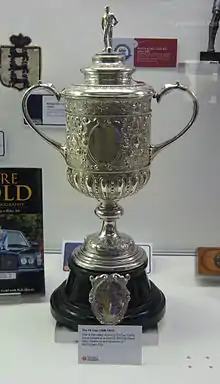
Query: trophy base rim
x=71 y=312
x=108 y=260
x=71 y=316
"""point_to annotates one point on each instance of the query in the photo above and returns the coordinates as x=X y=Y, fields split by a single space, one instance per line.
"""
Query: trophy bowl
x=108 y=153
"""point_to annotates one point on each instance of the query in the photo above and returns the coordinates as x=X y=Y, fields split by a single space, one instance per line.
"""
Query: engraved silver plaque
x=109 y=297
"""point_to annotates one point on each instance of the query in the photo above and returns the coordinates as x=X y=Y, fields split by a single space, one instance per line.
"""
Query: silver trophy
x=211 y=54
x=108 y=153
x=214 y=25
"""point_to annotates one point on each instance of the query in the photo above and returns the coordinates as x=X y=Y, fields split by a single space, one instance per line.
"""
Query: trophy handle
x=49 y=87
x=155 y=149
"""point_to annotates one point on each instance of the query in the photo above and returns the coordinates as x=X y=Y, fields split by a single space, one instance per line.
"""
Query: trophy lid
x=108 y=74
x=108 y=68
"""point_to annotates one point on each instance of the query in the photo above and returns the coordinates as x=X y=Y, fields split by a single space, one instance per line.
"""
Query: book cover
x=21 y=231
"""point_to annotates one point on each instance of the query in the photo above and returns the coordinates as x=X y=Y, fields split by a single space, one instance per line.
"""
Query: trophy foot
x=70 y=304
x=108 y=251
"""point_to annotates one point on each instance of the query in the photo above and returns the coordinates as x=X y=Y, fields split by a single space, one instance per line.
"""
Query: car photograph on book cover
x=21 y=231
x=19 y=253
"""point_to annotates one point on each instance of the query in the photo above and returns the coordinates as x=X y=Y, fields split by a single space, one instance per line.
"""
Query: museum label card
x=156 y=53
x=53 y=112
x=148 y=52
x=2 y=143
x=104 y=344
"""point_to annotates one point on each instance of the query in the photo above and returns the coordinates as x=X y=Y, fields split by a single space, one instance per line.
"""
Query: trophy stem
x=109 y=213
x=109 y=249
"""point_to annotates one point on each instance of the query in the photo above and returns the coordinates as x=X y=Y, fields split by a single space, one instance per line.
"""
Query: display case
x=110 y=89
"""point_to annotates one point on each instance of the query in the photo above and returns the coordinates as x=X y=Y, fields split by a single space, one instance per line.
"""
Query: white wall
x=180 y=207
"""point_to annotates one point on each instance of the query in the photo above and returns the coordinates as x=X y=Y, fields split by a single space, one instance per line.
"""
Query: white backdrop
x=180 y=207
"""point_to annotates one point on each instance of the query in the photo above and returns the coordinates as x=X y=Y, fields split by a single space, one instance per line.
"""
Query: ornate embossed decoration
x=107 y=107
x=103 y=187
x=117 y=143
x=109 y=297
x=20 y=63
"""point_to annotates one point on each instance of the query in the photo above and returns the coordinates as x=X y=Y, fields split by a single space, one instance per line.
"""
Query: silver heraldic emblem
x=109 y=297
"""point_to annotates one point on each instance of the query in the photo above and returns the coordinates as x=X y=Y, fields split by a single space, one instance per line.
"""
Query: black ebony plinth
x=210 y=56
x=70 y=306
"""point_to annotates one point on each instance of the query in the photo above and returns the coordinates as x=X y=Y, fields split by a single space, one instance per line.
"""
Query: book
x=21 y=231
